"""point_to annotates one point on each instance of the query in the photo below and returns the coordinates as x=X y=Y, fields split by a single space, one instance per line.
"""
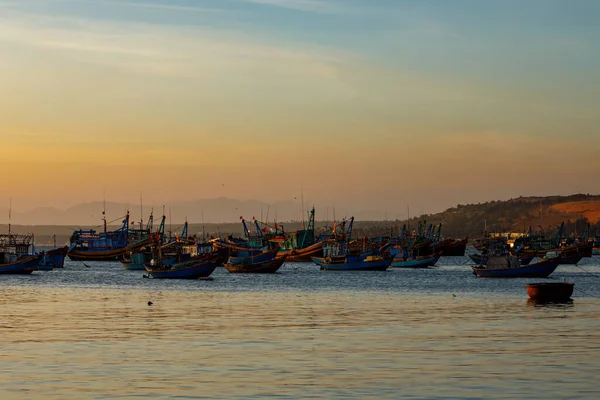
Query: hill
x=516 y=215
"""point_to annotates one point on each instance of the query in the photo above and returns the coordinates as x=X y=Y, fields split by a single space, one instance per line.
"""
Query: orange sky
x=122 y=101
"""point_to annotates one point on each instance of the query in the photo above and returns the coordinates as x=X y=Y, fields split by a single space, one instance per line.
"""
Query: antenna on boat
x=203 y=230
x=104 y=211
x=141 y=213
x=9 y=215
x=170 y=224
x=302 y=201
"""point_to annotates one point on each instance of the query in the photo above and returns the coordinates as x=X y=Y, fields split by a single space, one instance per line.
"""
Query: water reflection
x=550 y=303
x=68 y=342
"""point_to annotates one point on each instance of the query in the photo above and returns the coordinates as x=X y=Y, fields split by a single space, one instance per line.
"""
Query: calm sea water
x=440 y=333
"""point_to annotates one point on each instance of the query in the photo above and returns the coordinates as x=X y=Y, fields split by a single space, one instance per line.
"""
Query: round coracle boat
x=550 y=291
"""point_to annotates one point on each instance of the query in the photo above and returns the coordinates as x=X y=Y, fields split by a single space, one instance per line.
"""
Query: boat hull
x=303 y=255
x=107 y=255
x=54 y=258
x=540 y=269
x=580 y=249
x=265 y=267
x=24 y=266
x=136 y=262
x=479 y=260
x=357 y=264
x=421 y=262
x=191 y=269
x=550 y=291
x=253 y=259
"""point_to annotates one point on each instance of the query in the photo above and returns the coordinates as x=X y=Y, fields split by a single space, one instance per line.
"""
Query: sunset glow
x=365 y=104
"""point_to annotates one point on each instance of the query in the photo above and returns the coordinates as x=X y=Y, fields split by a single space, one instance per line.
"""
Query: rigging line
x=584 y=270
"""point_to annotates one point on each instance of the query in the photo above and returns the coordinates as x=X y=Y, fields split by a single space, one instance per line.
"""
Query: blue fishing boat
x=88 y=245
x=13 y=264
x=198 y=267
x=509 y=267
x=137 y=261
x=53 y=258
x=416 y=262
x=356 y=263
x=257 y=267
x=482 y=260
x=15 y=257
x=267 y=255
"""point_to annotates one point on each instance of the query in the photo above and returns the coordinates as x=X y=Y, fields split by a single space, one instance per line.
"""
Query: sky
x=365 y=104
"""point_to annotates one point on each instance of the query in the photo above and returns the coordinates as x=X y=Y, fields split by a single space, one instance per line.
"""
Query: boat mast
x=141 y=214
x=9 y=215
x=104 y=214
x=203 y=230
x=302 y=206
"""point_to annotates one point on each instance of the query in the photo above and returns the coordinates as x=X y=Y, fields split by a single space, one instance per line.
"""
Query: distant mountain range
x=219 y=210
x=221 y=216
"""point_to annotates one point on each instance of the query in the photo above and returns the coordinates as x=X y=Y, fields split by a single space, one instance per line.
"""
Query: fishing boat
x=136 y=261
x=13 y=264
x=565 y=258
x=449 y=247
x=304 y=254
x=267 y=255
x=550 y=291
x=257 y=267
x=482 y=260
x=356 y=263
x=416 y=262
x=88 y=245
x=53 y=258
x=299 y=246
x=197 y=267
x=508 y=266
x=14 y=254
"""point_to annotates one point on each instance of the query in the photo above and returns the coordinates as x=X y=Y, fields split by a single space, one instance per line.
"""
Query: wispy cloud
x=157 y=6
x=319 y=6
x=169 y=50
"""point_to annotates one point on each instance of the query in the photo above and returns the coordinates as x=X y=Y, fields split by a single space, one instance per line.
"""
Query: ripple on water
x=304 y=333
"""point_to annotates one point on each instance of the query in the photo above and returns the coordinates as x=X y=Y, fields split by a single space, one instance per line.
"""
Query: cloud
x=176 y=51
x=319 y=6
x=157 y=6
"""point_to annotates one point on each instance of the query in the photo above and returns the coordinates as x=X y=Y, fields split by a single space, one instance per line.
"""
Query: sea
x=97 y=331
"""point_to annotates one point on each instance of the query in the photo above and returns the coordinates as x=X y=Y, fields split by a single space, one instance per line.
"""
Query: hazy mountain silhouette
x=218 y=210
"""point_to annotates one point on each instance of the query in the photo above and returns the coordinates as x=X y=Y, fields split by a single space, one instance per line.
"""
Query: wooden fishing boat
x=136 y=261
x=583 y=249
x=450 y=247
x=98 y=254
x=255 y=258
x=259 y=267
x=88 y=245
x=550 y=291
x=478 y=259
x=53 y=258
x=356 y=263
x=13 y=264
x=416 y=262
x=509 y=267
x=569 y=258
x=198 y=267
x=303 y=255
